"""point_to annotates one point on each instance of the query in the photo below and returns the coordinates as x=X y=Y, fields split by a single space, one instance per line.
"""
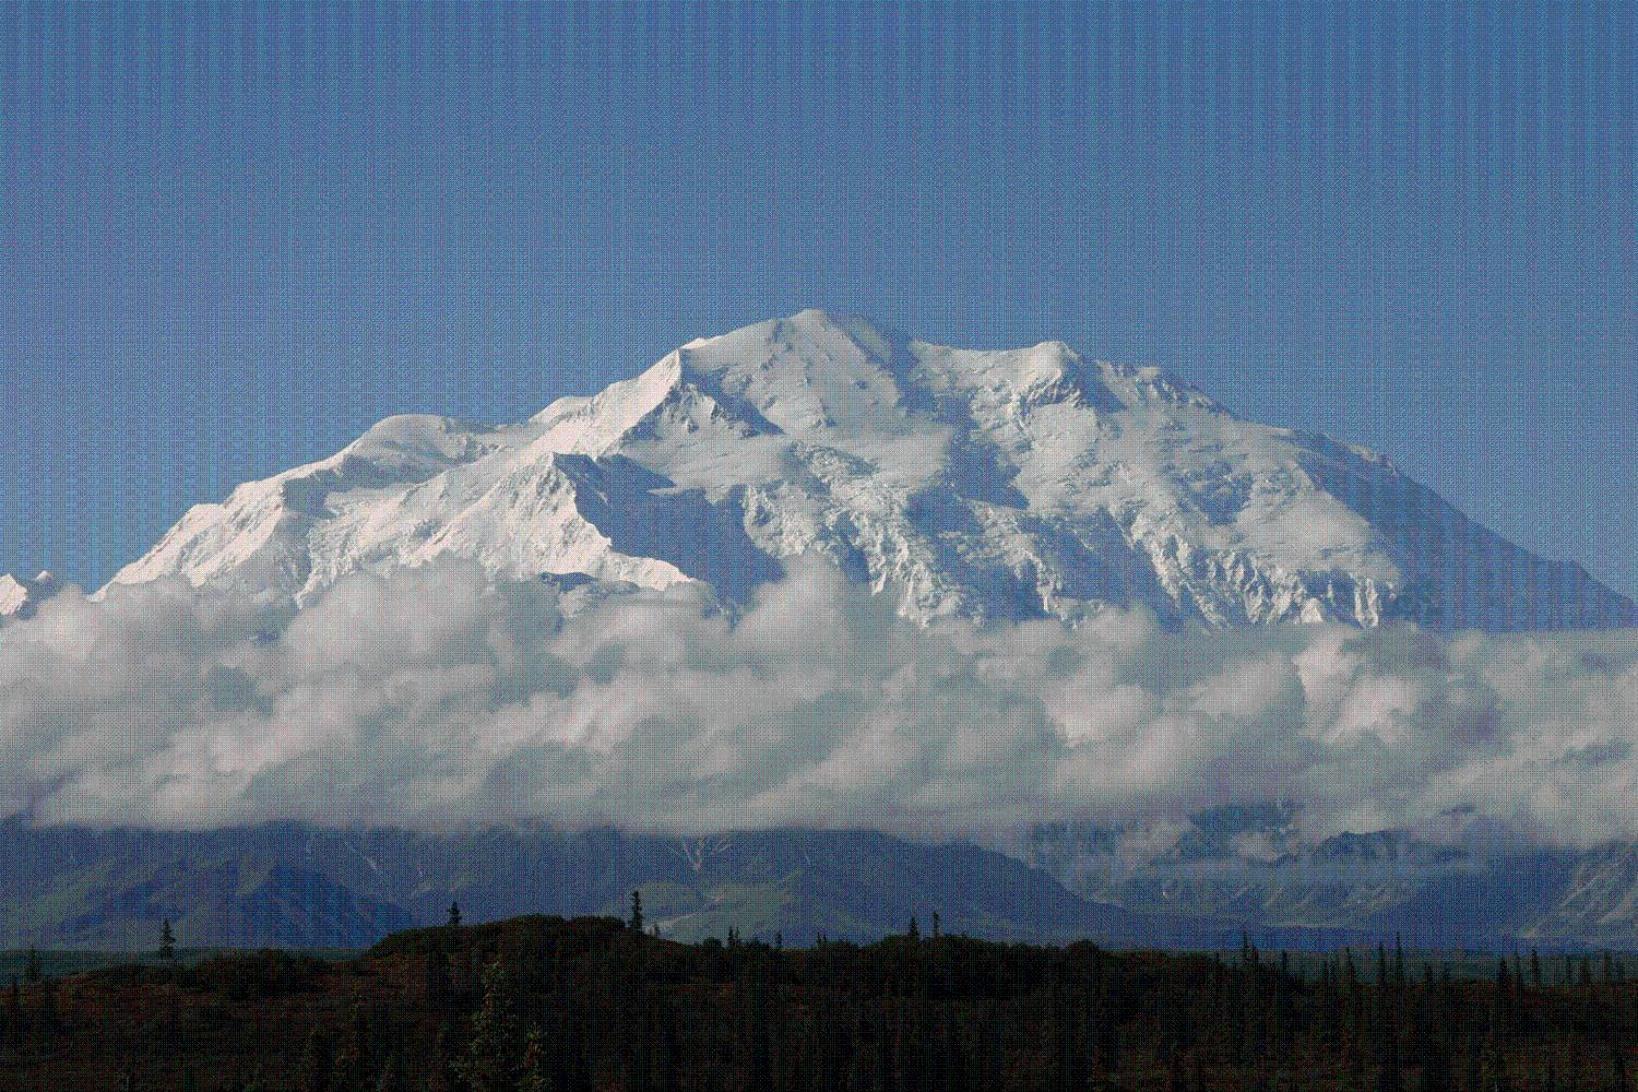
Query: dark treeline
x=538 y=1004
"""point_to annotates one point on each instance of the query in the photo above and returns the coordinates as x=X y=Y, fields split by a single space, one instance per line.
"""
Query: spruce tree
x=1388 y=1077
x=494 y=1059
x=167 y=942
x=636 y=921
x=318 y=1062
x=668 y=1055
x=454 y=914
x=1175 y=1080
x=352 y=1063
x=1495 y=1078
x=1436 y=1074
x=759 y=1047
x=536 y=1076
x=391 y=1078
x=15 y=1020
x=437 y=977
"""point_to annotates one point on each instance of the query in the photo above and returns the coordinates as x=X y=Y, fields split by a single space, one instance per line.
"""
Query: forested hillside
x=536 y=1004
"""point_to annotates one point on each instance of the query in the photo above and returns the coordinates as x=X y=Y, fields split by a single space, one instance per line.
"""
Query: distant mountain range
x=1233 y=864
x=306 y=887
x=1006 y=484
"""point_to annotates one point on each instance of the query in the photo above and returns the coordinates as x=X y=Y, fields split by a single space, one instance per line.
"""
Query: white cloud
x=434 y=697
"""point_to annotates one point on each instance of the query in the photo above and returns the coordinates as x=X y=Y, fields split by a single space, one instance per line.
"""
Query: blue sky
x=233 y=237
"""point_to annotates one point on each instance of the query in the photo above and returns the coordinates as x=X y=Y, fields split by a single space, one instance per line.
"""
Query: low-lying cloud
x=434 y=697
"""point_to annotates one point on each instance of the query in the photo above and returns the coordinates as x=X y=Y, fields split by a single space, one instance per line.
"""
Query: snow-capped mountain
x=21 y=598
x=1010 y=484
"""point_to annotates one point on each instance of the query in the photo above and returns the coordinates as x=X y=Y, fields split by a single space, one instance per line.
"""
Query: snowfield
x=1009 y=484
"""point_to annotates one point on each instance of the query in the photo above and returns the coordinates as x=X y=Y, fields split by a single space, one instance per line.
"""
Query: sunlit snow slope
x=1004 y=484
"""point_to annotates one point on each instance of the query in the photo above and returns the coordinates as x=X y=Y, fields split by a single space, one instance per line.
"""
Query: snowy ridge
x=1009 y=484
x=21 y=598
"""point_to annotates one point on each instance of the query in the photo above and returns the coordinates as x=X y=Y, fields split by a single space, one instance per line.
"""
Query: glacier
x=1015 y=484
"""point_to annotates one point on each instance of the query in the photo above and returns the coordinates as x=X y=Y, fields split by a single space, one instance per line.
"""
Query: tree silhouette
x=454 y=914
x=636 y=911
x=167 y=942
x=578 y=1006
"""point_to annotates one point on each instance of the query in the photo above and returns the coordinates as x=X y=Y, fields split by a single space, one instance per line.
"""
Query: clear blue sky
x=232 y=237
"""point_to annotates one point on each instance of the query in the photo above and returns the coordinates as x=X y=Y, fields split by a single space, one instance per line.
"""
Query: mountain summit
x=21 y=598
x=1007 y=484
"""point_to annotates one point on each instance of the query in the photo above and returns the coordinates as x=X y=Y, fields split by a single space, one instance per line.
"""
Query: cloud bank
x=433 y=697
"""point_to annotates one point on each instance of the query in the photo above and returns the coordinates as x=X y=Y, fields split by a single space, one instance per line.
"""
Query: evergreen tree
x=1436 y=1074
x=1388 y=1077
x=1175 y=1079
x=392 y=1078
x=14 y=1010
x=167 y=942
x=318 y=1062
x=352 y=1063
x=494 y=1059
x=48 y=1018
x=437 y=977
x=668 y=1055
x=454 y=914
x=446 y=1057
x=759 y=1047
x=536 y=1067
x=1495 y=1070
x=636 y=921
x=1108 y=1040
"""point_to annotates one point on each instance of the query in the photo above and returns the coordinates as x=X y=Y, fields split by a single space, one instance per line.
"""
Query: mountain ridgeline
x=1013 y=484
x=307 y=887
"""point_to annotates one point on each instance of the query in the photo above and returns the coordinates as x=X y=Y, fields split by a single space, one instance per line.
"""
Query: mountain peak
x=985 y=483
x=21 y=598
